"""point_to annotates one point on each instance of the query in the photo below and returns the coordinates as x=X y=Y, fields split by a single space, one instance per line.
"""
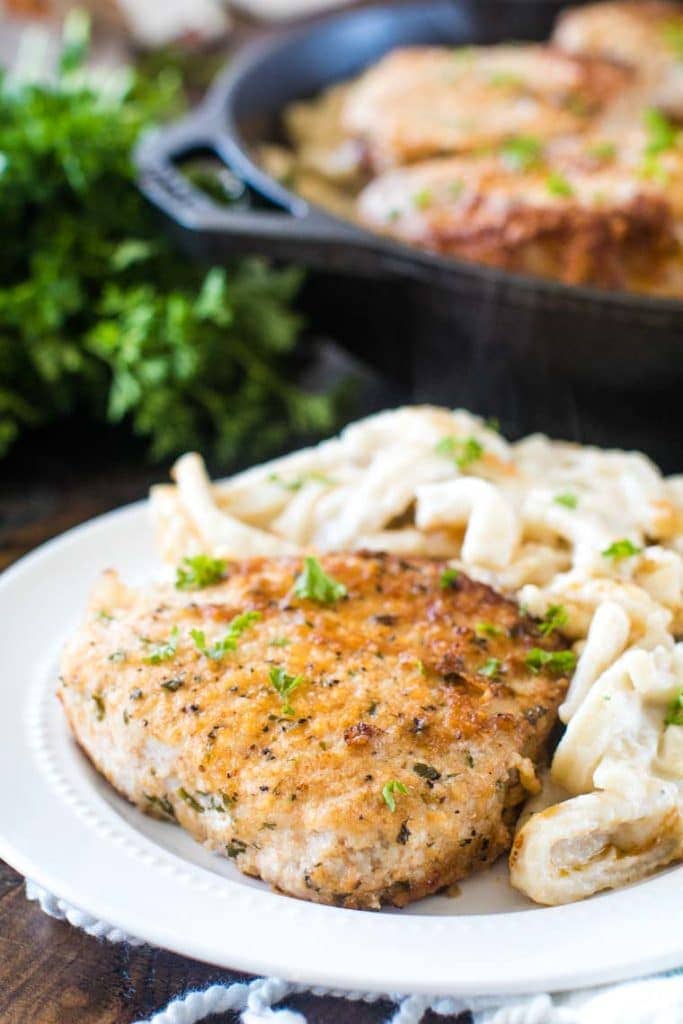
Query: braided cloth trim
x=656 y=1000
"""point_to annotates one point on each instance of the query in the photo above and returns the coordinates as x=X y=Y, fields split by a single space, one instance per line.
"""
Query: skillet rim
x=220 y=103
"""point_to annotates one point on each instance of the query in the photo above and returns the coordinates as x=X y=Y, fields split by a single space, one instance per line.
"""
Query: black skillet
x=538 y=353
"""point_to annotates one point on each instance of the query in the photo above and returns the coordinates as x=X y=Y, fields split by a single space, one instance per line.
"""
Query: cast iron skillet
x=453 y=331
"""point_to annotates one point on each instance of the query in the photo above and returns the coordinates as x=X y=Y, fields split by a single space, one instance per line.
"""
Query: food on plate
x=358 y=730
x=328 y=688
x=561 y=160
x=590 y=542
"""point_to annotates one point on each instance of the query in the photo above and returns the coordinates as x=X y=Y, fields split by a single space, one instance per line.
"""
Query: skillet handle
x=220 y=231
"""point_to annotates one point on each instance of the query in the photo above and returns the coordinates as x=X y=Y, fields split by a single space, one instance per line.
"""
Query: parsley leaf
x=285 y=685
x=491 y=668
x=199 y=571
x=521 y=153
x=560 y=663
x=567 y=499
x=388 y=790
x=280 y=641
x=619 y=549
x=426 y=771
x=228 y=643
x=100 y=312
x=448 y=578
x=298 y=482
x=422 y=199
x=661 y=132
x=674 y=714
x=557 y=185
x=164 y=652
x=315 y=585
x=673 y=35
x=555 y=618
x=464 y=451
x=487 y=629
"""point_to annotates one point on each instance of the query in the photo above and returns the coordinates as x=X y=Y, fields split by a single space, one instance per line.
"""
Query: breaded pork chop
x=645 y=35
x=584 y=213
x=365 y=749
x=426 y=101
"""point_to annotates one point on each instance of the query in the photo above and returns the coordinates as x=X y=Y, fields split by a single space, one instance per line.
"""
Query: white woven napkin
x=655 y=1000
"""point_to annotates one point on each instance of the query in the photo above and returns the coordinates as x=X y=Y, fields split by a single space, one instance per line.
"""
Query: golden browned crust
x=561 y=218
x=426 y=101
x=398 y=684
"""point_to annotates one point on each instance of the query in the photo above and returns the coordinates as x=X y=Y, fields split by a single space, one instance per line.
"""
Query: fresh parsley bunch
x=98 y=311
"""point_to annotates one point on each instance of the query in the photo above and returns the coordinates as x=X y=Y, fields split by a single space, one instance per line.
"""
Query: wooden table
x=50 y=973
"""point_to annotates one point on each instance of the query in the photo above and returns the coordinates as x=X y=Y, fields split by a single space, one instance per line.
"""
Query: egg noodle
x=592 y=536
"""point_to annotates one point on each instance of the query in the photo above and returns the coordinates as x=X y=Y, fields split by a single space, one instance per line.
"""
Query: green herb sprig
x=674 y=714
x=621 y=549
x=555 y=618
x=99 y=312
x=559 y=663
x=228 y=643
x=313 y=584
x=164 y=652
x=285 y=685
x=199 y=571
x=464 y=451
x=390 y=788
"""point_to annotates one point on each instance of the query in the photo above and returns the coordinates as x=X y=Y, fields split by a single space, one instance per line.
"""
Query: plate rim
x=393 y=959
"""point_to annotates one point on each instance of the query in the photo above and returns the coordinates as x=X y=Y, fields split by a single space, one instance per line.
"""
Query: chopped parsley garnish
x=235 y=847
x=448 y=578
x=487 y=629
x=420 y=666
x=673 y=35
x=555 y=618
x=297 y=483
x=100 y=709
x=117 y=656
x=521 y=153
x=463 y=450
x=162 y=805
x=315 y=585
x=229 y=642
x=619 y=549
x=172 y=684
x=104 y=616
x=422 y=199
x=661 y=132
x=493 y=424
x=388 y=790
x=491 y=668
x=506 y=80
x=567 y=499
x=557 y=185
x=190 y=800
x=560 y=663
x=164 y=652
x=199 y=571
x=602 y=151
x=280 y=641
x=426 y=771
x=674 y=714
x=469 y=760
x=285 y=686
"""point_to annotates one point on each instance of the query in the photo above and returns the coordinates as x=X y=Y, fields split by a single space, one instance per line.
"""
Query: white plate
x=62 y=825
